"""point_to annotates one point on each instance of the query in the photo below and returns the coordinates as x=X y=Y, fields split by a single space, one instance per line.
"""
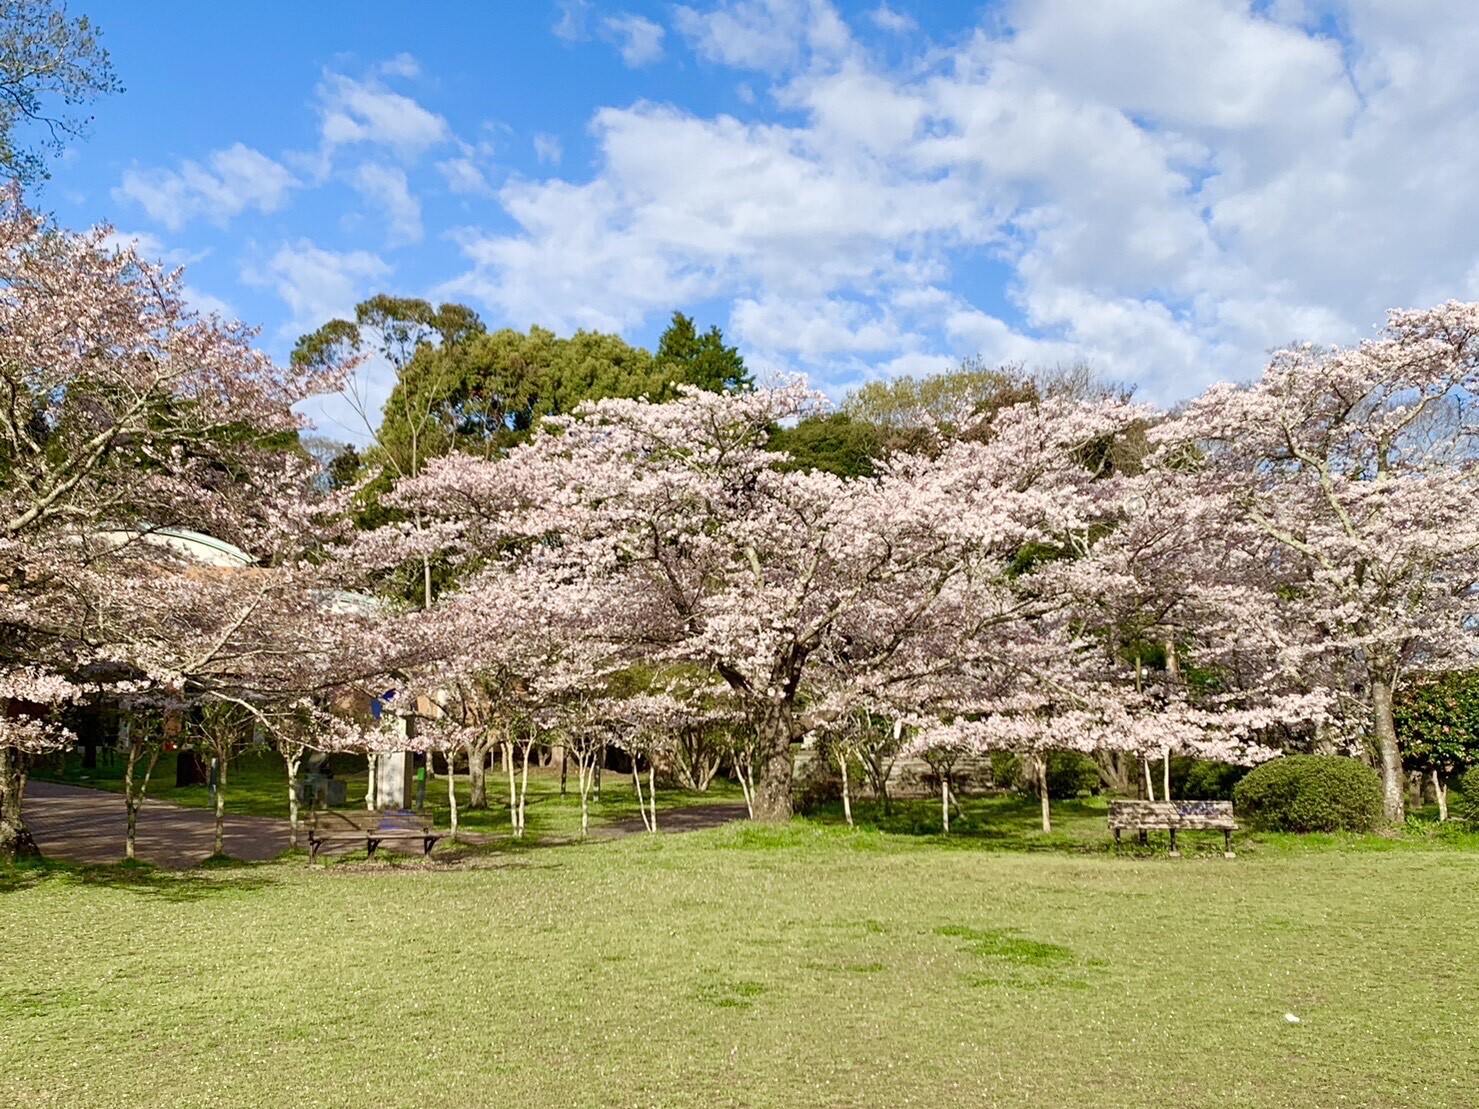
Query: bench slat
x=370 y=825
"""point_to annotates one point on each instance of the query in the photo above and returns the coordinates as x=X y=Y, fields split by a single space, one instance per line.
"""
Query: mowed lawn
x=809 y=965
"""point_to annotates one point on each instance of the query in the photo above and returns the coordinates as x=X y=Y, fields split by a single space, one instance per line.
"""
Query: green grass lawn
x=805 y=965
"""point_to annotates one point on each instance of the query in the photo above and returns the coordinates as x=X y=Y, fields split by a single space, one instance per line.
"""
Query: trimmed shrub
x=1468 y=803
x=1310 y=793
x=1069 y=773
x=1204 y=780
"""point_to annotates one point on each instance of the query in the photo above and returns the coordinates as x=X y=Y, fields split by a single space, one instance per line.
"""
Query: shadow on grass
x=139 y=878
x=1012 y=822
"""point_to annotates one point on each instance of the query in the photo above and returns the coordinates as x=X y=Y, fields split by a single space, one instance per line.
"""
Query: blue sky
x=1165 y=188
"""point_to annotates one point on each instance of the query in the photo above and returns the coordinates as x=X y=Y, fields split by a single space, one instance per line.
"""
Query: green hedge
x=1070 y=773
x=1204 y=780
x=1468 y=802
x=1310 y=793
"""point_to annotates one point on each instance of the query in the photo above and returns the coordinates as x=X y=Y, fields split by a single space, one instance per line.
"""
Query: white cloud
x=764 y=35
x=571 y=26
x=886 y=19
x=463 y=176
x=151 y=248
x=548 y=149
x=638 y=38
x=387 y=188
x=231 y=181
x=367 y=111
x=317 y=285
x=1163 y=187
x=402 y=65
x=1171 y=187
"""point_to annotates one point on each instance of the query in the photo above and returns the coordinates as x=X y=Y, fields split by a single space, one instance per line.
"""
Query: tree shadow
x=135 y=877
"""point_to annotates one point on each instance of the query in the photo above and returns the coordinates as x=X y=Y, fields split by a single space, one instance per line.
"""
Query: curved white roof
x=202 y=549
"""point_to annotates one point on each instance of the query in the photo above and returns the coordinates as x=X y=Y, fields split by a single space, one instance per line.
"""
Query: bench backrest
x=329 y=821
x=1160 y=814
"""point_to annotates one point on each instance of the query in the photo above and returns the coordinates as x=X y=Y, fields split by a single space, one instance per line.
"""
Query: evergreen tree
x=687 y=358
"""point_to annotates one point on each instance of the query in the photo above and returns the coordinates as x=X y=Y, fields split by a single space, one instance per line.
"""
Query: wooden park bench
x=1174 y=816
x=372 y=826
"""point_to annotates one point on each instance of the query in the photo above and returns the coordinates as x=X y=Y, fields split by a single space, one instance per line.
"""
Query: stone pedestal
x=395 y=786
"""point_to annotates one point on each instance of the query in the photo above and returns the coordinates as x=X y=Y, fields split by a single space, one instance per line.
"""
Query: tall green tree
x=686 y=357
x=835 y=444
x=484 y=392
x=49 y=65
x=1437 y=722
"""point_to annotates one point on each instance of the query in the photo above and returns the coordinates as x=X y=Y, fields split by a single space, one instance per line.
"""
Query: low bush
x=1070 y=774
x=1468 y=800
x=1310 y=793
x=1204 y=780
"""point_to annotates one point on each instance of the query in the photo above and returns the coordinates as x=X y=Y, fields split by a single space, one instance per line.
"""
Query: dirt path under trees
x=79 y=825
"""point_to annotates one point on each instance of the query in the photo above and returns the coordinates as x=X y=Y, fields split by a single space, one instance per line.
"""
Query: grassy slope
x=805 y=965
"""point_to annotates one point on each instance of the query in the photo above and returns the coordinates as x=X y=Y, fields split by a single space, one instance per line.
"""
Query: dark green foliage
x=1310 y=793
x=343 y=470
x=687 y=358
x=486 y=391
x=1070 y=773
x=1437 y=718
x=1203 y=779
x=836 y=444
x=1468 y=803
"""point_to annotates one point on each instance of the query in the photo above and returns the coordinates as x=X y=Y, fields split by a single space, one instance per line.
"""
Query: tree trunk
x=221 y=808
x=652 y=791
x=292 y=758
x=133 y=796
x=513 y=793
x=451 y=794
x=585 y=771
x=637 y=785
x=1166 y=777
x=1112 y=771
x=846 y=793
x=524 y=787
x=773 y=731
x=945 y=803
x=744 y=771
x=372 y=763
x=1385 y=730
x=477 y=776
x=564 y=767
x=15 y=838
x=1149 y=781
x=1040 y=768
x=1440 y=790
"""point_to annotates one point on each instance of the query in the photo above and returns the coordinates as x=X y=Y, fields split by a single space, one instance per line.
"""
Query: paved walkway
x=80 y=825
x=693 y=818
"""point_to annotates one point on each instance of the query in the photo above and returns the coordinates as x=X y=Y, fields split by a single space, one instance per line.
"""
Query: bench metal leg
x=426 y=846
x=1227 y=852
x=1144 y=838
x=312 y=851
x=1116 y=840
x=1175 y=854
x=370 y=845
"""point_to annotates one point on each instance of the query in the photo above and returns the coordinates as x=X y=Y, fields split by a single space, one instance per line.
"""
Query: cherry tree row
x=1286 y=551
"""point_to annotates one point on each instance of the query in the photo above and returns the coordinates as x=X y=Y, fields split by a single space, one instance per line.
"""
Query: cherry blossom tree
x=690 y=546
x=1356 y=469
x=122 y=411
